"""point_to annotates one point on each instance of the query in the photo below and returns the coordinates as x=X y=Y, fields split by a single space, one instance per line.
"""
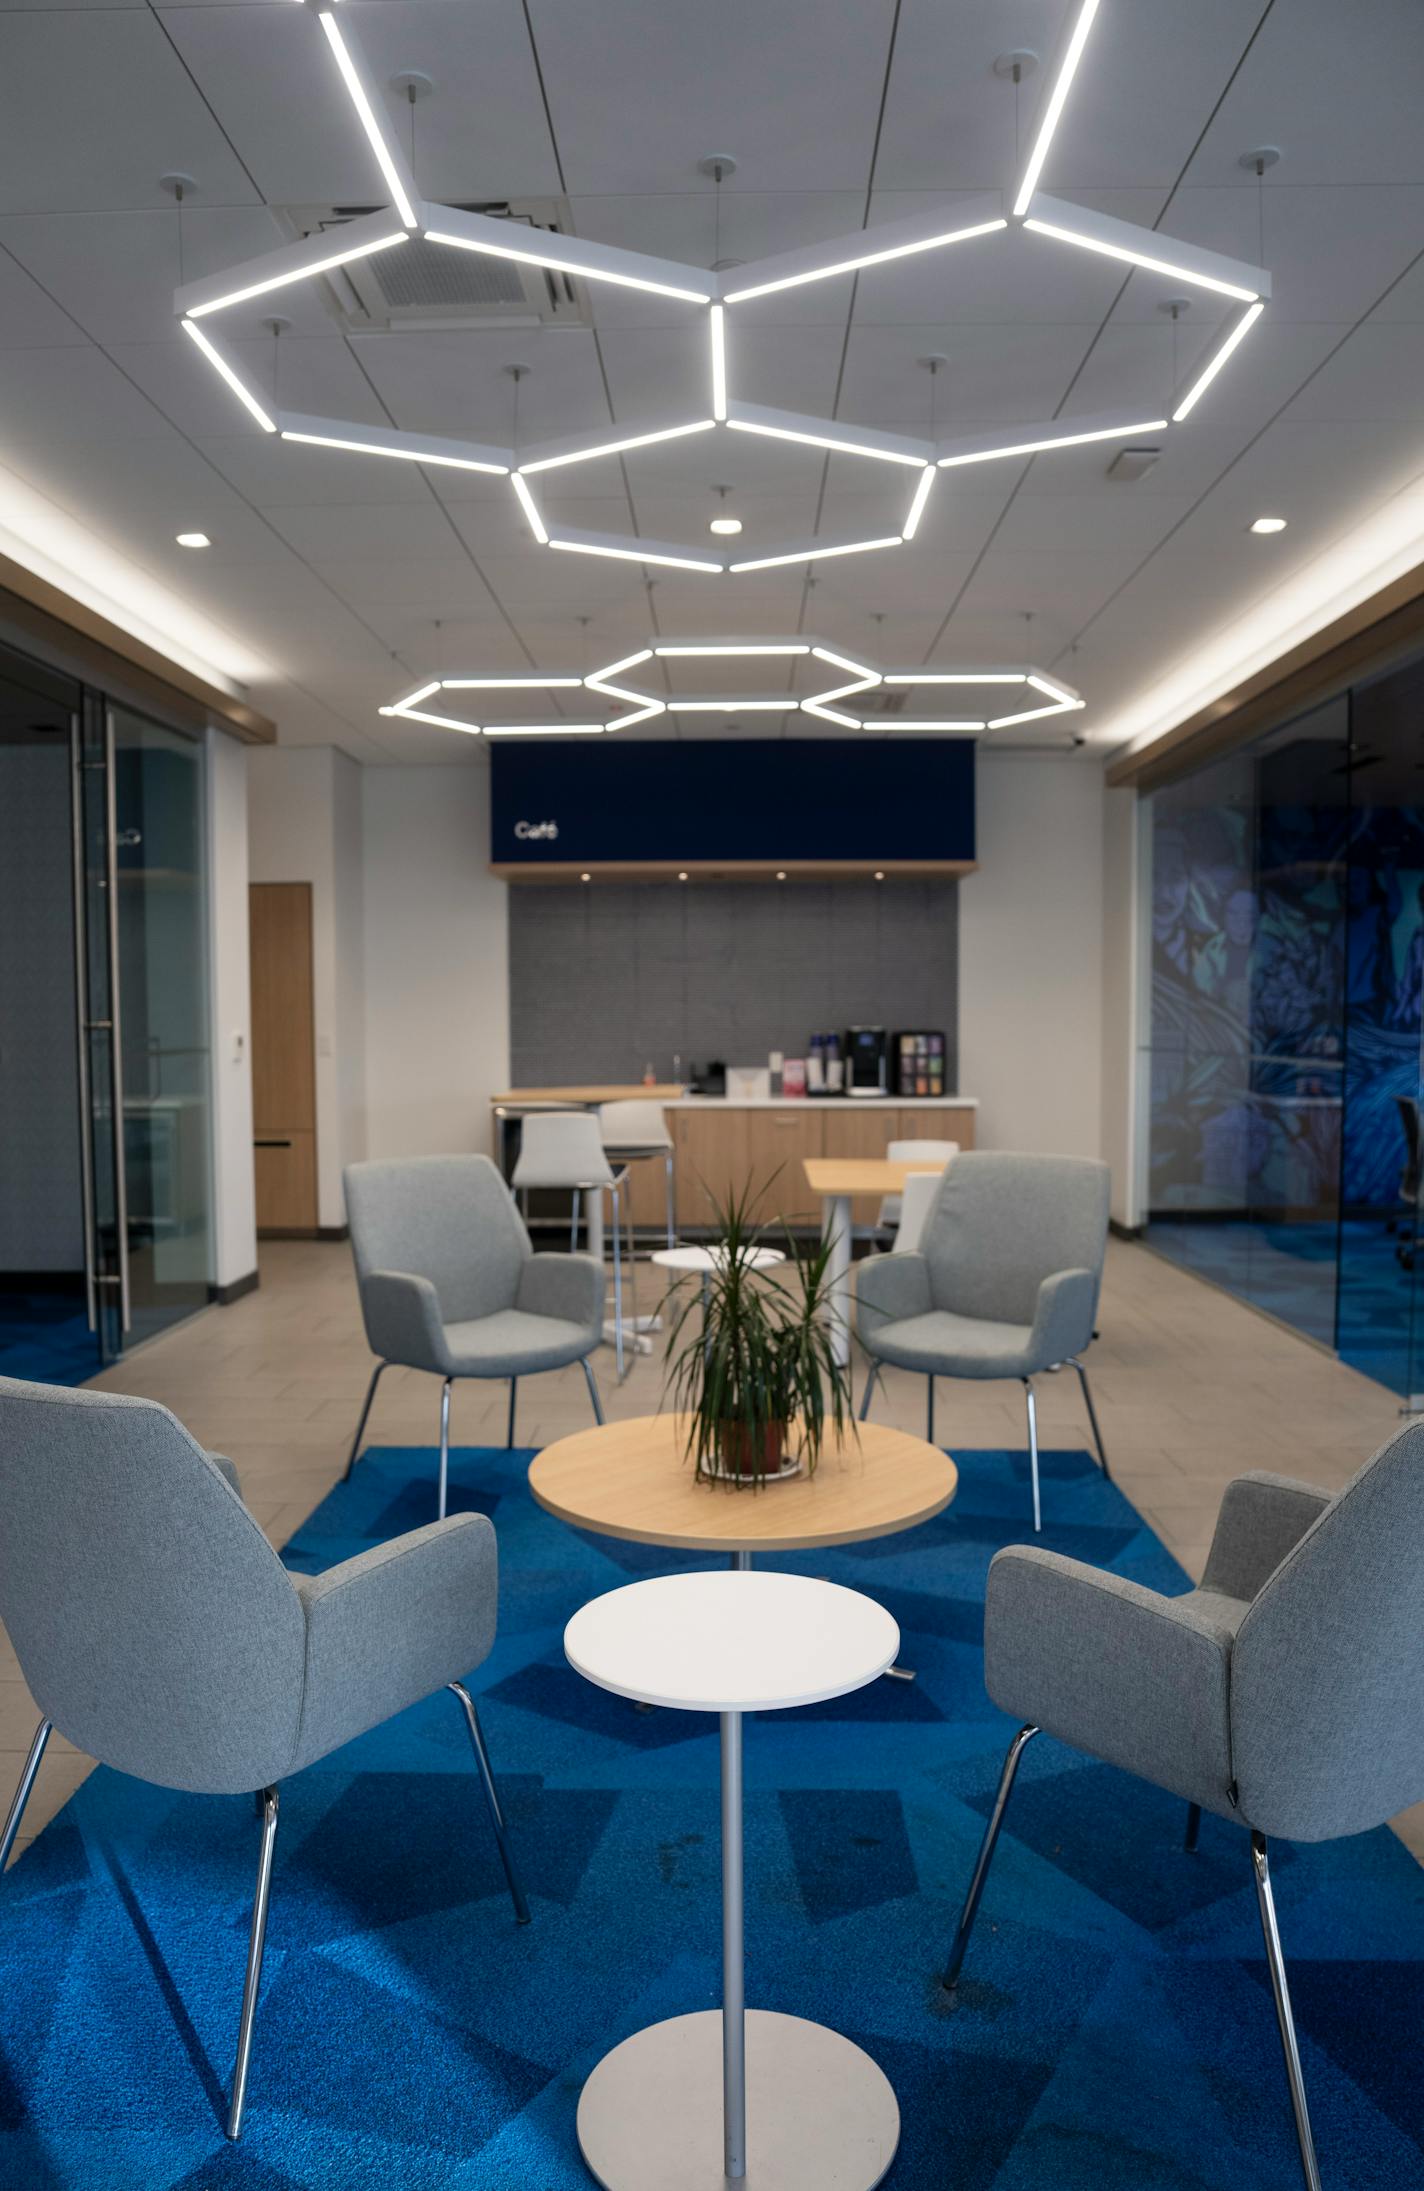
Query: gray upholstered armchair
x=450 y=1284
x=1004 y=1282
x=1283 y=1694
x=159 y=1631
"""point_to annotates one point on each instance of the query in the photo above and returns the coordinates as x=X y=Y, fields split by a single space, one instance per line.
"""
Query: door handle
x=266 y=1144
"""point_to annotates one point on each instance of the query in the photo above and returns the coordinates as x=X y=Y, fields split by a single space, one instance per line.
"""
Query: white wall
x=229 y=1008
x=437 y=961
x=1031 y=955
x=304 y=827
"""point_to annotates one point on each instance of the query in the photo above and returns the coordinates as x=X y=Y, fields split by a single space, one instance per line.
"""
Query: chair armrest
x=403 y=1321
x=567 y=1286
x=227 y=1468
x=888 y=1288
x=392 y=1626
x=1136 y=1679
x=1262 y=1518
x=1063 y=1316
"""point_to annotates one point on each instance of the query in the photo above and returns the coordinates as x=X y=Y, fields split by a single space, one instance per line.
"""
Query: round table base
x=820 y=2114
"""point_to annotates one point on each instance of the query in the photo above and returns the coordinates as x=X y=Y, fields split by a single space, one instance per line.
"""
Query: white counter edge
x=820 y=1103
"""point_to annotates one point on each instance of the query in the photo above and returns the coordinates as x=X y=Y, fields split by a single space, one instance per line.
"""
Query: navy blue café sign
x=661 y=800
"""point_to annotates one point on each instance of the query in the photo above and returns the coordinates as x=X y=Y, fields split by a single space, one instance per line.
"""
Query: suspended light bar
x=788 y=647
x=1029 y=715
x=584 y=452
x=719 y=361
x=386 y=158
x=1062 y=693
x=639 y=715
x=959 y=677
x=635 y=554
x=903 y=722
x=299 y=262
x=512 y=684
x=239 y=388
x=843 y=661
x=441 y=722
x=616 y=669
x=814 y=554
x=917 y=507
x=531 y=511
x=757 y=418
x=873 y=247
x=329 y=433
x=831 y=715
x=544 y=730
x=568 y=255
x=1057 y=98
x=1235 y=336
x=1032 y=440
x=413 y=699
x=1135 y=246
x=783 y=706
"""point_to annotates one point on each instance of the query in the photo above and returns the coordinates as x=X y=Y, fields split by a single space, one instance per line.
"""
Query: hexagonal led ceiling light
x=851 y=679
x=1073 y=226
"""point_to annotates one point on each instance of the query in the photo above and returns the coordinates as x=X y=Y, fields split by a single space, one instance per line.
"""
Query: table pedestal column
x=835 y=1230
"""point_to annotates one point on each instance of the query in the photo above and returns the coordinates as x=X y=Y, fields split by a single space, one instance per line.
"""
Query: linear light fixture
x=842 y=661
x=610 y=691
x=849 y=254
x=330 y=433
x=441 y=722
x=616 y=669
x=413 y=699
x=1028 y=715
x=905 y=722
x=239 y=387
x=636 y=554
x=586 y=451
x=831 y=715
x=482 y=233
x=544 y=730
x=512 y=684
x=917 y=506
x=1235 y=336
x=292 y=263
x=366 y=114
x=531 y=510
x=784 y=706
x=1052 y=113
x=789 y=647
x=1032 y=440
x=1090 y=231
x=958 y=677
x=718 y=317
x=1065 y=696
x=813 y=554
x=639 y=715
x=757 y=418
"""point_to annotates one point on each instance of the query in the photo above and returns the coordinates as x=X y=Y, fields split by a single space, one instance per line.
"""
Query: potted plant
x=754 y=1374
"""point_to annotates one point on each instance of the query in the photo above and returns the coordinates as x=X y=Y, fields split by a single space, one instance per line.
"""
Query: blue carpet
x=1115 y=2031
x=45 y=1338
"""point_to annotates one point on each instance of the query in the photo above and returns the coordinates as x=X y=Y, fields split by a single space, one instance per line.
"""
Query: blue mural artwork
x=1385 y=981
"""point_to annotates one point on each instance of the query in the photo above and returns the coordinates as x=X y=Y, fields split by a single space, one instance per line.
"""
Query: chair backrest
x=1001 y=1224
x=911 y=1152
x=636 y=1124
x=450 y=1219
x=918 y=1199
x=561 y=1149
x=152 y=1620
x=1327 y=1670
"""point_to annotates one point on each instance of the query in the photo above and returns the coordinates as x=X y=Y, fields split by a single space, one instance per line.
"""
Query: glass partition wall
x=1287 y=911
x=104 y=1048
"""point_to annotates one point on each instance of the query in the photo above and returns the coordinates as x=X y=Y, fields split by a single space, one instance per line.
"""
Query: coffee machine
x=867 y=1061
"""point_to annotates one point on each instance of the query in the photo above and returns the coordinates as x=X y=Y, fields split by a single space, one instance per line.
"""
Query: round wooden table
x=634 y=1480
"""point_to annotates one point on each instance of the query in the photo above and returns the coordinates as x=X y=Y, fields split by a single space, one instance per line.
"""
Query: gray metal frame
x=261 y=1901
x=1270 y=1932
x=1031 y=1407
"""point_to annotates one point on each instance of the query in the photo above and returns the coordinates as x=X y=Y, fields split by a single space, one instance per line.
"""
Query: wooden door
x=856 y=1132
x=937 y=1125
x=283 y=1056
x=711 y=1161
x=777 y=1142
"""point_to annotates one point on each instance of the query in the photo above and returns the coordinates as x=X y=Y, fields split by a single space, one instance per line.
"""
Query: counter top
x=672 y=1098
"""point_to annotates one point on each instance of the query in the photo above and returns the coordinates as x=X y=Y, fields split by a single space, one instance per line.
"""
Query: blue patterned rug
x=1115 y=2031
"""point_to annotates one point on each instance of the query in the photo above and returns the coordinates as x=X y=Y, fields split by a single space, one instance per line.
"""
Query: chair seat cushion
x=956 y=1346
x=513 y=1343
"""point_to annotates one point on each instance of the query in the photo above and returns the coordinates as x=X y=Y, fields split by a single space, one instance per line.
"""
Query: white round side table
x=807 y=2110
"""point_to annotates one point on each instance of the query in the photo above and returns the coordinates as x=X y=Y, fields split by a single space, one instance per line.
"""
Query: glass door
x=140 y=877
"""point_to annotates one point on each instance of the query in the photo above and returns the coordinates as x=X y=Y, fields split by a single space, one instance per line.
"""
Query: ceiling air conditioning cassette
x=430 y=285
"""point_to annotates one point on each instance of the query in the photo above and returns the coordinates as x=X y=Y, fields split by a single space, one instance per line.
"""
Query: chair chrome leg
x=513 y=1392
x=593 y=1390
x=929 y=1411
x=986 y=1855
x=1092 y=1416
x=365 y=1416
x=1193 y=1833
x=22 y=1793
x=617 y=1290
x=444 y=1445
x=869 y=1389
x=257 y=1941
x=1033 y=1450
x=501 y=1831
x=1276 y=1962
x=573 y=1225
x=671 y=1203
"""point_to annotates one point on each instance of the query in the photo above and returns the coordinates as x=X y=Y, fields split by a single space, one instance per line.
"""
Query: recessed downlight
x=725 y=525
x=192 y=540
x=585 y=876
x=1268 y=525
x=781 y=874
x=880 y=874
x=682 y=874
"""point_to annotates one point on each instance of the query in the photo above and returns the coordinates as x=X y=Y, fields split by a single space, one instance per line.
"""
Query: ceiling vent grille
x=435 y=286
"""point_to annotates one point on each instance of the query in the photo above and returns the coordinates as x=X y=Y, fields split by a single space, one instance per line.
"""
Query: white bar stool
x=807 y=2110
x=633 y=1131
x=910 y=1152
x=562 y=1149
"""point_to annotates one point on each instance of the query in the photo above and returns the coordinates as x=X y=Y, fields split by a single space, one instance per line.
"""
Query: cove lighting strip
x=1058 y=698
x=968 y=220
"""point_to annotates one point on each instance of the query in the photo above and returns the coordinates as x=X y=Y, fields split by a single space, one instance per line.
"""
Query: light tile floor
x=1191 y=1388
